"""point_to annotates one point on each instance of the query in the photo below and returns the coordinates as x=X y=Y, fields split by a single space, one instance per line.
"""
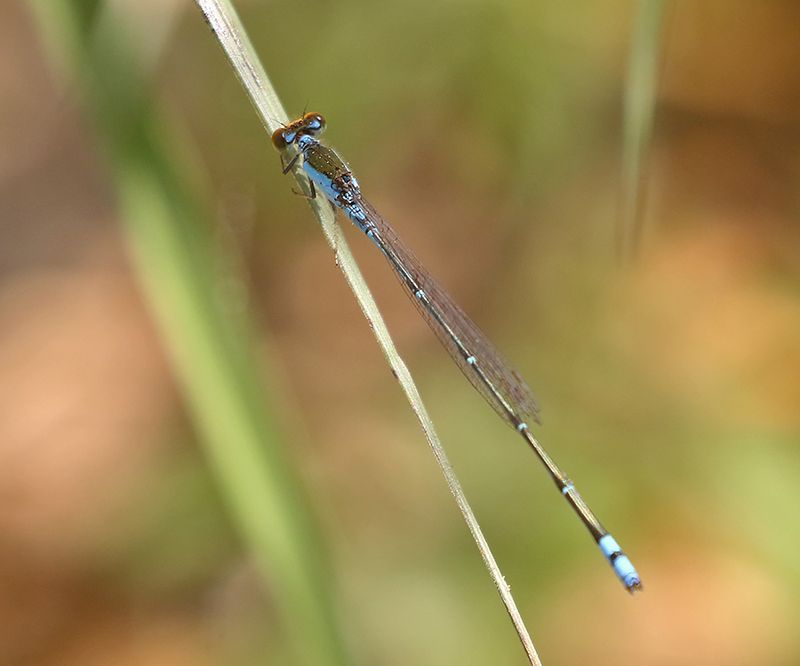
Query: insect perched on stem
x=502 y=387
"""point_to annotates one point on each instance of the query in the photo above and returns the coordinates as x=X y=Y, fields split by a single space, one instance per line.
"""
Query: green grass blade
x=209 y=345
x=640 y=103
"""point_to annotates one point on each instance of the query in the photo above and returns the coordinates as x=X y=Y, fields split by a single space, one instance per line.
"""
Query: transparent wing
x=502 y=386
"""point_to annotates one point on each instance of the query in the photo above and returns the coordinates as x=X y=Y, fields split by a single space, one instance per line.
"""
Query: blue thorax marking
x=322 y=182
x=335 y=181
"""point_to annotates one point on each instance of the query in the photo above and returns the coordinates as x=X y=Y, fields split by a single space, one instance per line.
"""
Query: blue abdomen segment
x=619 y=561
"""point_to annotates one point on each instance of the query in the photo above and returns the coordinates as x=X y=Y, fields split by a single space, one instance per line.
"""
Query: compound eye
x=282 y=138
x=314 y=122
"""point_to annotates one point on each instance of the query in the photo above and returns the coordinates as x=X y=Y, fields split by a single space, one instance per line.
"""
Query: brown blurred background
x=490 y=134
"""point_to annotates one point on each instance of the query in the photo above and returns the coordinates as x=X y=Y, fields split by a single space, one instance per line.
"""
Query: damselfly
x=502 y=387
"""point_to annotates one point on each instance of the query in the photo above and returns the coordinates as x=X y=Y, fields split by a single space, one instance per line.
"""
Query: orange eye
x=279 y=138
x=313 y=123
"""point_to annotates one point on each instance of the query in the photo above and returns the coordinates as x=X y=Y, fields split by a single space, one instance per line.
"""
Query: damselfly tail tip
x=634 y=585
x=623 y=567
x=626 y=573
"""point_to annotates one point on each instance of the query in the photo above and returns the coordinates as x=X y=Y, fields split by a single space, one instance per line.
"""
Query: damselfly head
x=310 y=124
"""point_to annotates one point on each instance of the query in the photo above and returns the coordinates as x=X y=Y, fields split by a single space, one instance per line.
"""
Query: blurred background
x=491 y=135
